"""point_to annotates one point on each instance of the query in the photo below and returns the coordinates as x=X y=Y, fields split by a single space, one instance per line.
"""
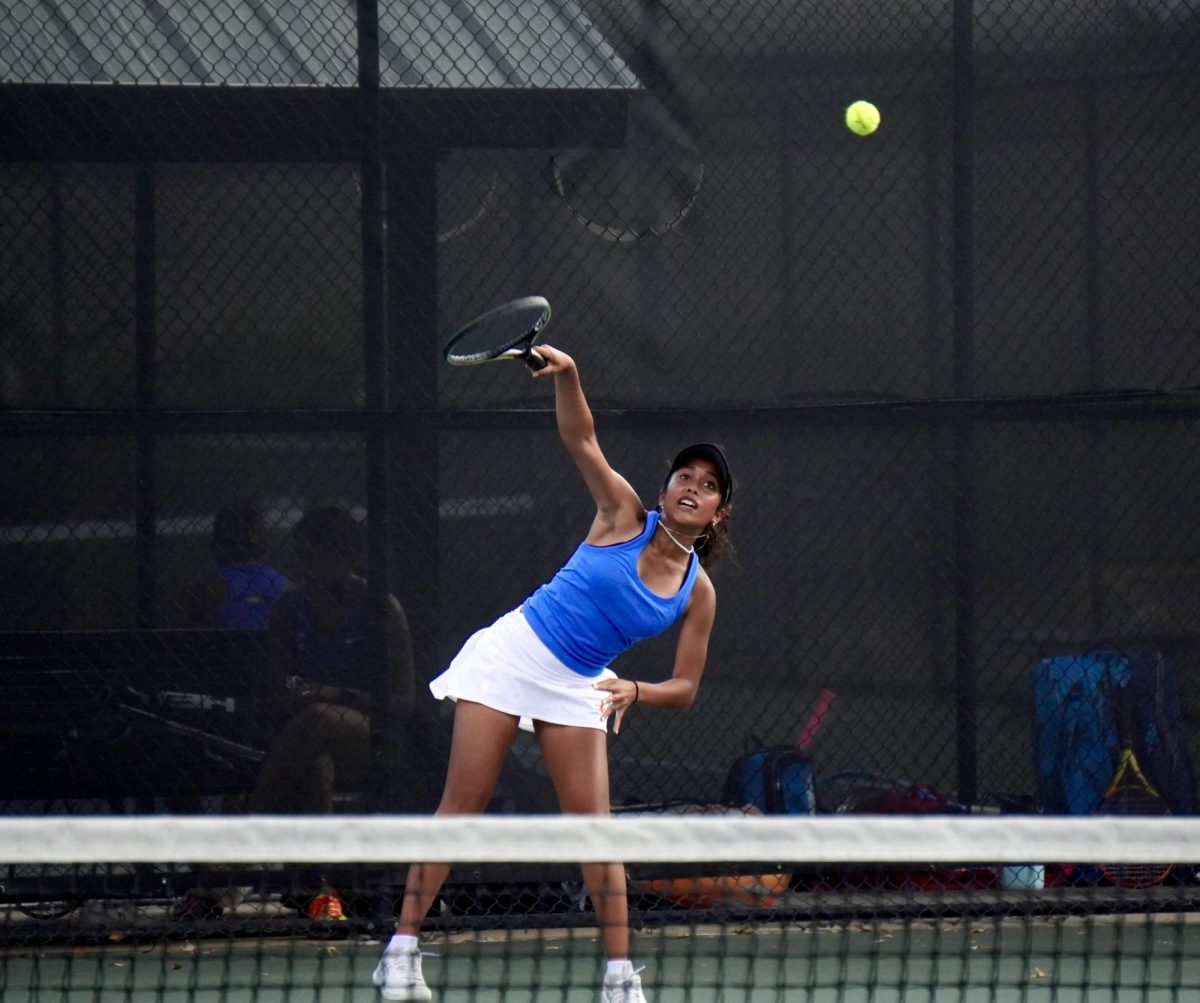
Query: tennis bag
x=1160 y=743
x=760 y=890
x=865 y=792
x=777 y=780
x=1075 y=733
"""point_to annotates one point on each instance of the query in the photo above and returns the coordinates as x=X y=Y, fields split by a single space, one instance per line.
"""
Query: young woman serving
x=545 y=665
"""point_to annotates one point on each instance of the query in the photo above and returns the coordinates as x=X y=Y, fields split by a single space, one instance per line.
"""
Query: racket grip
x=535 y=361
x=820 y=709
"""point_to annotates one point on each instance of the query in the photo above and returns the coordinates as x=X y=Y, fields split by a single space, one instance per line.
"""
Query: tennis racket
x=216 y=743
x=1131 y=793
x=507 y=332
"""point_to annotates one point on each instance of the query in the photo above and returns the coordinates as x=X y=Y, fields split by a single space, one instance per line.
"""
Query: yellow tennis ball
x=862 y=117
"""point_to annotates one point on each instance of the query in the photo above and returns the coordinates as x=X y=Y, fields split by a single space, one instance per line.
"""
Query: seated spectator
x=326 y=680
x=244 y=588
x=237 y=593
x=326 y=684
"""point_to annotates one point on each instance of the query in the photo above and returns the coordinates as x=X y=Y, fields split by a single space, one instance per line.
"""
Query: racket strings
x=491 y=335
x=1134 y=799
x=506 y=330
x=1134 y=796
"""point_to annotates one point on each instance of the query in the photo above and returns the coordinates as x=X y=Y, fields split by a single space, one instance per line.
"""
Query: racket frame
x=1129 y=777
x=520 y=347
x=1128 y=763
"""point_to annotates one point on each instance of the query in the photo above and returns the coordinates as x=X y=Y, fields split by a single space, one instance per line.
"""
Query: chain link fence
x=953 y=364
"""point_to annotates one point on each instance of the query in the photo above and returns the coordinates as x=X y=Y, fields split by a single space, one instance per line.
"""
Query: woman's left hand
x=621 y=695
x=556 y=361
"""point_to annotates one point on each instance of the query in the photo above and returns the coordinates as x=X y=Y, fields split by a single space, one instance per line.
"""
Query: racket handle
x=820 y=709
x=535 y=361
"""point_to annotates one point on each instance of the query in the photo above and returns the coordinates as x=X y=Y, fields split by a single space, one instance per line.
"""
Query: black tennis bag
x=1160 y=742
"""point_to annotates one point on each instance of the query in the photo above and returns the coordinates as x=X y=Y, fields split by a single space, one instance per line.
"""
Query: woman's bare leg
x=302 y=762
x=481 y=740
x=577 y=759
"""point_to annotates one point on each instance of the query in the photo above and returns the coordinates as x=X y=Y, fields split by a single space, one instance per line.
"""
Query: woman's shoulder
x=703 y=587
x=610 y=530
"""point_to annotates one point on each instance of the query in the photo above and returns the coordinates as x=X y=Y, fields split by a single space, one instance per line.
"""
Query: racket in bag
x=1159 y=739
x=1076 y=739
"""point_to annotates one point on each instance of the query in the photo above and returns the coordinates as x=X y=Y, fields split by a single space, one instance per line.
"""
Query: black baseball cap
x=711 y=452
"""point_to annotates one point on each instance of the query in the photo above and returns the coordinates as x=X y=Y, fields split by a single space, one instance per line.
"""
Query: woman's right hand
x=556 y=361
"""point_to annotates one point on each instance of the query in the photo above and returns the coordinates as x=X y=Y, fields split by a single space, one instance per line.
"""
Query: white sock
x=401 y=942
x=622 y=967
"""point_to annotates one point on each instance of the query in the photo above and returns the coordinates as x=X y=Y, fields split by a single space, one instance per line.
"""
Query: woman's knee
x=333 y=719
x=464 y=799
x=466 y=792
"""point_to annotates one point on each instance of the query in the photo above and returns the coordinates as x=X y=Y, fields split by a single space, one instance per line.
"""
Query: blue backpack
x=1076 y=739
x=777 y=780
x=1075 y=733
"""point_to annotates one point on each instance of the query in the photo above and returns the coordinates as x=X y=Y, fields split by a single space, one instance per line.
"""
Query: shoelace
x=394 y=958
x=628 y=984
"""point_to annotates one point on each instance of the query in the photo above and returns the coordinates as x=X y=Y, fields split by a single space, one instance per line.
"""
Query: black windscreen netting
x=248 y=512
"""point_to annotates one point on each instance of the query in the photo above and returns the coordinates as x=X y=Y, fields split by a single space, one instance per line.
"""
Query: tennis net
x=723 y=907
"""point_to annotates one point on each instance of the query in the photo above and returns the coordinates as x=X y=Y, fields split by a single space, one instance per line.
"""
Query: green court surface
x=1065 y=960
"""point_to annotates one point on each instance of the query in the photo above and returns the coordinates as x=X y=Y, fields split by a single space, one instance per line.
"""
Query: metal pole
x=963 y=158
x=412 y=336
x=1096 y=546
x=146 y=397
x=376 y=381
x=934 y=338
x=58 y=285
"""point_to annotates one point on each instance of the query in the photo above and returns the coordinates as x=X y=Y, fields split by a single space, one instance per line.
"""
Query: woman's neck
x=677 y=539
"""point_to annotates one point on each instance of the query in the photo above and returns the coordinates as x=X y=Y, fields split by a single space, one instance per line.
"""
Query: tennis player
x=544 y=665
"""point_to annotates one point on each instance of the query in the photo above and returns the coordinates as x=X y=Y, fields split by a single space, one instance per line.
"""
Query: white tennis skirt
x=508 y=668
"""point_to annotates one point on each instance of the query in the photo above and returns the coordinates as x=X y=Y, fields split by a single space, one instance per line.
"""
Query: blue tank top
x=251 y=589
x=597 y=606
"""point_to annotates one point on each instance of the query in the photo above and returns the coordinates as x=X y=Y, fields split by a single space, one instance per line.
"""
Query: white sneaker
x=399 y=977
x=623 y=988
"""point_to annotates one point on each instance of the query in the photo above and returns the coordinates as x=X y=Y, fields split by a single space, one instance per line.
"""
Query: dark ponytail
x=715 y=543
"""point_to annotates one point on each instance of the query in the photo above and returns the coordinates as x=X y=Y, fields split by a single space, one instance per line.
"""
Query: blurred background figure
x=326 y=681
x=329 y=684
x=244 y=588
